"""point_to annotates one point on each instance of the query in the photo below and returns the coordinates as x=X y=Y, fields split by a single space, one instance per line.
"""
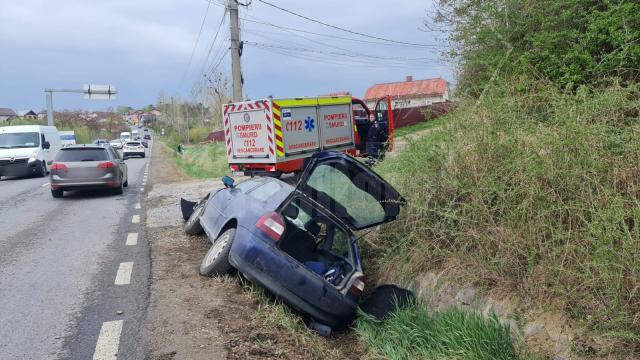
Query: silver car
x=116 y=143
x=80 y=167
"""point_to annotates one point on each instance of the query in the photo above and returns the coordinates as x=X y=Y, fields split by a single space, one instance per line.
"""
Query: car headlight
x=33 y=157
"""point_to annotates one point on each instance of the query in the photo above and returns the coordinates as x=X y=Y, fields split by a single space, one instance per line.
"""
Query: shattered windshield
x=358 y=203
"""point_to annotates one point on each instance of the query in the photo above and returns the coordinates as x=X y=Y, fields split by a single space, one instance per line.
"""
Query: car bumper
x=20 y=169
x=129 y=154
x=283 y=276
x=109 y=181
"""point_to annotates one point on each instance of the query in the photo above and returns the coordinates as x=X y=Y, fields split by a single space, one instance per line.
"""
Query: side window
x=265 y=191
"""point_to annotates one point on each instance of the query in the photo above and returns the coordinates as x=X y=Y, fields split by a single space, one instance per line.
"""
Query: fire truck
x=275 y=136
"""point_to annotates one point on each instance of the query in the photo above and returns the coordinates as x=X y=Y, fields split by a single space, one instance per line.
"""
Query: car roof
x=83 y=146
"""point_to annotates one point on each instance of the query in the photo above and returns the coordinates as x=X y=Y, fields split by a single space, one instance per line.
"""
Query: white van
x=28 y=149
x=125 y=136
x=135 y=135
x=67 y=138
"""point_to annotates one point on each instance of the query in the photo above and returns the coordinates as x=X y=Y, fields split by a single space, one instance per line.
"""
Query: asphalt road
x=73 y=282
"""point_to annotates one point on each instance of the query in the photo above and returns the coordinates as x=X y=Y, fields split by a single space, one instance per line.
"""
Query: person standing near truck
x=376 y=136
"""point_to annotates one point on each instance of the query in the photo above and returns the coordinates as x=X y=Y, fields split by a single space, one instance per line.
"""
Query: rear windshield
x=79 y=154
x=133 y=143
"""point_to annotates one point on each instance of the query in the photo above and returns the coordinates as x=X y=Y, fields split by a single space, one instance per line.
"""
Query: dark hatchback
x=299 y=242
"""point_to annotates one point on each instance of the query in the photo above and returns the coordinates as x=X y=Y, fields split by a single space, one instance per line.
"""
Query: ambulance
x=275 y=136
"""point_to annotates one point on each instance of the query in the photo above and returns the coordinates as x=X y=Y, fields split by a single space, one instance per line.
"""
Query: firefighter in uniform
x=376 y=136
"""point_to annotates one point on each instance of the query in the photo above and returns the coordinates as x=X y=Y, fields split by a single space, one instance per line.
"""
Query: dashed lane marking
x=132 y=239
x=45 y=184
x=123 y=276
x=108 y=341
x=135 y=219
x=138 y=206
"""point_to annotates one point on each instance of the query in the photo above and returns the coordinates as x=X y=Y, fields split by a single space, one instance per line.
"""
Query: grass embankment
x=421 y=126
x=200 y=160
x=538 y=193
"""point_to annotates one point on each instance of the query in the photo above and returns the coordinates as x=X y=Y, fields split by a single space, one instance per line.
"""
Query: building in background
x=412 y=100
x=7 y=114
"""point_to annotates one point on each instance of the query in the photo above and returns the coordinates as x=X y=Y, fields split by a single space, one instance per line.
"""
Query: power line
x=357 y=56
x=204 y=64
x=195 y=45
x=260 y=21
x=339 y=28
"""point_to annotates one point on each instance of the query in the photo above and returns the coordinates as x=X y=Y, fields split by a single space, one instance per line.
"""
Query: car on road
x=101 y=142
x=81 y=167
x=116 y=144
x=298 y=242
x=147 y=137
x=133 y=148
x=28 y=149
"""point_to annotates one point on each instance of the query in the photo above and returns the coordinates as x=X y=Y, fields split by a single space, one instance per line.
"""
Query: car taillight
x=272 y=225
x=106 y=165
x=57 y=166
x=357 y=287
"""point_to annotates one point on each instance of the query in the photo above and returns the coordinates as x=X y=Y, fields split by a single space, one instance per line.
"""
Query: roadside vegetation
x=197 y=160
x=532 y=183
x=86 y=130
x=418 y=127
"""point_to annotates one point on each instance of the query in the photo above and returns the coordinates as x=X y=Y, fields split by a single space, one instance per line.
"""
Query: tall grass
x=414 y=333
x=201 y=160
x=533 y=189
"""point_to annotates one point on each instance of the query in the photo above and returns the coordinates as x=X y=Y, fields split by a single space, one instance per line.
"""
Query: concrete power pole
x=236 y=71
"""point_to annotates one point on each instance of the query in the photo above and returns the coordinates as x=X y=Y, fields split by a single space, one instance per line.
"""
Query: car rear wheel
x=216 y=262
x=57 y=193
x=120 y=189
x=192 y=226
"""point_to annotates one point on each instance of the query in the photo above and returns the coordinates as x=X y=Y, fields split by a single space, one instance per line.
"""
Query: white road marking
x=132 y=239
x=108 y=340
x=123 y=276
x=138 y=206
x=135 y=219
x=45 y=184
x=142 y=189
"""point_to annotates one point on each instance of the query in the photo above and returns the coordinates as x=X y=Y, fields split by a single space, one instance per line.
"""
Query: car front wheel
x=216 y=262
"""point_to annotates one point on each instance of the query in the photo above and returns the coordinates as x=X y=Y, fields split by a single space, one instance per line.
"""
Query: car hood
x=16 y=152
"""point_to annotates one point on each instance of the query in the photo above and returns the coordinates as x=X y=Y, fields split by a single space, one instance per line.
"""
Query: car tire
x=192 y=226
x=126 y=183
x=120 y=189
x=216 y=262
x=57 y=193
x=42 y=171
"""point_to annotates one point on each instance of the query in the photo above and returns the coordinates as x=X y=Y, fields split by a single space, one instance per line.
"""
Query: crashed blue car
x=298 y=242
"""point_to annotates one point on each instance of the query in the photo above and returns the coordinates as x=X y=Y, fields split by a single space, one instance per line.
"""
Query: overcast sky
x=144 y=47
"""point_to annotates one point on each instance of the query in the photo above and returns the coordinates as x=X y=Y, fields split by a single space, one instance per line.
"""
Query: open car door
x=351 y=191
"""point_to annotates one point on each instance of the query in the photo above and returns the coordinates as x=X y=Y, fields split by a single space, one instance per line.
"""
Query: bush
x=535 y=189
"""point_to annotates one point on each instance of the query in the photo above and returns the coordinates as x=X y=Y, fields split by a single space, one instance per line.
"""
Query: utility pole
x=236 y=71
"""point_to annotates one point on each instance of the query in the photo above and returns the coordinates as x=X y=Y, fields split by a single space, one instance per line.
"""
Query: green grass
x=410 y=129
x=415 y=333
x=201 y=160
x=537 y=191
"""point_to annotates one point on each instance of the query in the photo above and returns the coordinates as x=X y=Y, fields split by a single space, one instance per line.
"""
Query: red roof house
x=410 y=93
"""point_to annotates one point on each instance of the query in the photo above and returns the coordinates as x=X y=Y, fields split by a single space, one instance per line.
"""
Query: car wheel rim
x=196 y=214
x=218 y=246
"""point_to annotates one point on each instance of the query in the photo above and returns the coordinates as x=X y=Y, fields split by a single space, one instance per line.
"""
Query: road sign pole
x=49 y=107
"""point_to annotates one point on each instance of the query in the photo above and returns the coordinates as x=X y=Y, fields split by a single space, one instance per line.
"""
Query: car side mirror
x=46 y=145
x=227 y=181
